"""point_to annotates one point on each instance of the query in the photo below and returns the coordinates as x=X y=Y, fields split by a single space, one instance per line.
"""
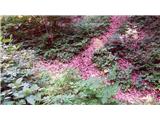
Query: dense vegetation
x=129 y=60
x=54 y=36
x=21 y=83
x=144 y=55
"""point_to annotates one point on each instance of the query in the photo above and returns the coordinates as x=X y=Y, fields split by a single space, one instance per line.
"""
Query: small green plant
x=107 y=63
x=18 y=79
x=55 y=37
x=144 y=54
x=22 y=84
x=71 y=89
x=93 y=25
x=103 y=59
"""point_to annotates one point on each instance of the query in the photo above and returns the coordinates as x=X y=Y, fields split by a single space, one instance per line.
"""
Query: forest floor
x=83 y=63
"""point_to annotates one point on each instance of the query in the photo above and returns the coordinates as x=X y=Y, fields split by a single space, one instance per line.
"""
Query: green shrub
x=54 y=36
x=103 y=59
x=18 y=78
x=71 y=89
x=93 y=25
x=76 y=38
x=145 y=56
x=21 y=84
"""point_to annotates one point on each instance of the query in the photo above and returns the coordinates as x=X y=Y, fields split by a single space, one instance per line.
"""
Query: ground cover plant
x=84 y=60
x=18 y=78
x=21 y=83
x=140 y=56
x=55 y=36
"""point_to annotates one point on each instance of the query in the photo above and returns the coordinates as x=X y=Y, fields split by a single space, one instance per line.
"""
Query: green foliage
x=18 y=78
x=64 y=49
x=148 y=23
x=123 y=28
x=144 y=55
x=77 y=37
x=70 y=89
x=93 y=25
x=54 y=36
x=21 y=84
x=103 y=59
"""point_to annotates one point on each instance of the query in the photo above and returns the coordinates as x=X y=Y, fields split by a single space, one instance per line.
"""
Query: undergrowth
x=55 y=37
x=144 y=55
x=22 y=84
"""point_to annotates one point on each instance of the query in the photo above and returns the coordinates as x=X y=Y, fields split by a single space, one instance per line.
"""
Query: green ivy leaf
x=31 y=99
x=27 y=91
x=19 y=81
x=19 y=95
x=112 y=73
x=109 y=92
x=6 y=40
x=34 y=87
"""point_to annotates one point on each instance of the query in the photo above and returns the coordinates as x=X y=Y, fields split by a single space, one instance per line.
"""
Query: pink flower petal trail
x=83 y=61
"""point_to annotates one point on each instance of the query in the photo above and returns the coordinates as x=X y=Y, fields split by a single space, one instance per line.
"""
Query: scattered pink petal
x=83 y=61
x=134 y=77
x=134 y=96
x=123 y=64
